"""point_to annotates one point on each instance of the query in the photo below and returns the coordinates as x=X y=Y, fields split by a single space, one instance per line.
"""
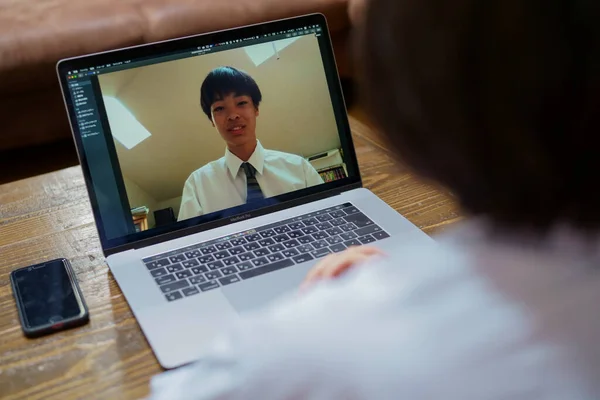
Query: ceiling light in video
x=124 y=126
x=260 y=53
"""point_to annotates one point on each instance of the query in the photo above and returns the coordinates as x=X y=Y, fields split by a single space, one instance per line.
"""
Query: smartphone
x=48 y=298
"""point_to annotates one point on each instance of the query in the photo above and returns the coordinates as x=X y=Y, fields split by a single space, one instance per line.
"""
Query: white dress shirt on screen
x=221 y=184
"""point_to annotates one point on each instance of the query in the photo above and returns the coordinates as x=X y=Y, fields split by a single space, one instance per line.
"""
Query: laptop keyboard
x=209 y=265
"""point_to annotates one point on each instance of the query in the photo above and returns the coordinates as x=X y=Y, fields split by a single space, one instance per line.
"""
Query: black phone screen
x=46 y=294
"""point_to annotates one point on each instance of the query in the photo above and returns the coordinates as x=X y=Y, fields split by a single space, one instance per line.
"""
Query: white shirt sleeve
x=190 y=204
x=312 y=176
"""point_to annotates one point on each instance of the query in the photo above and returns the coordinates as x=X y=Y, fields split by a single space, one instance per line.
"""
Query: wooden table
x=49 y=216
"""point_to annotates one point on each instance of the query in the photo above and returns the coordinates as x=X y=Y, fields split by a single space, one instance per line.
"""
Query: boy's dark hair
x=499 y=100
x=223 y=81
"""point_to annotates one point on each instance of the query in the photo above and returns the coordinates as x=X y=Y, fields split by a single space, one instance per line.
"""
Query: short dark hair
x=498 y=100
x=223 y=81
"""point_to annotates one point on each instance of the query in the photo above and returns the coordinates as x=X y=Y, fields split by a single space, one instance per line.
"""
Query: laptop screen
x=184 y=137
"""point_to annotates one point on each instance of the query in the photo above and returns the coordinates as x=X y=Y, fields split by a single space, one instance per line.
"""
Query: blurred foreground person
x=499 y=101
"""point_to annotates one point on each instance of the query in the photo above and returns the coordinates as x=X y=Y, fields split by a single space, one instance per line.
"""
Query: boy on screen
x=247 y=172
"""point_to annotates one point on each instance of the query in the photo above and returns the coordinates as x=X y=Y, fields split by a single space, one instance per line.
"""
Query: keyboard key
x=174 y=286
x=319 y=244
x=352 y=242
x=246 y=256
x=381 y=235
x=237 y=250
x=259 y=262
x=245 y=266
x=324 y=225
x=338 y=222
x=183 y=274
x=215 y=265
x=295 y=234
x=190 y=291
x=175 y=268
x=368 y=230
x=229 y=280
x=174 y=296
x=268 y=233
x=334 y=231
x=231 y=260
x=208 y=250
x=177 y=258
x=261 y=252
x=310 y=229
x=296 y=225
x=348 y=235
x=253 y=237
x=310 y=221
x=276 y=247
x=195 y=280
x=306 y=239
x=360 y=220
x=158 y=272
x=192 y=254
x=221 y=255
x=305 y=248
x=251 y=273
x=157 y=264
x=281 y=229
x=320 y=253
x=229 y=270
x=208 y=286
x=163 y=280
x=281 y=238
x=213 y=275
x=303 y=258
x=275 y=257
x=290 y=253
x=324 y=217
x=320 y=235
x=238 y=241
x=334 y=240
x=199 y=270
x=266 y=242
x=190 y=263
x=348 y=227
x=366 y=239
x=351 y=210
x=206 y=259
x=223 y=245
x=251 y=246
x=336 y=248
x=291 y=244
x=337 y=214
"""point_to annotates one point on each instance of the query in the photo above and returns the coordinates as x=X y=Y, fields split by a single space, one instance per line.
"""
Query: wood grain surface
x=49 y=216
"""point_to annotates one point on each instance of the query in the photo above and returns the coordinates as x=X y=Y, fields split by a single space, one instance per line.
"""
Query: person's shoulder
x=209 y=170
x=274 y=155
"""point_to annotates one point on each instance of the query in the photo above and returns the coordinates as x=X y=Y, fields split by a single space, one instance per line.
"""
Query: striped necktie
x=254 y=192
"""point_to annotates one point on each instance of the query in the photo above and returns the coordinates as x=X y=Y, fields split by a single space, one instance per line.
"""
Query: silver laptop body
x=186 y=279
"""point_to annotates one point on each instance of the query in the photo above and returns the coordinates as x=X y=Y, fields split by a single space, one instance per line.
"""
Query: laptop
x=161 y=130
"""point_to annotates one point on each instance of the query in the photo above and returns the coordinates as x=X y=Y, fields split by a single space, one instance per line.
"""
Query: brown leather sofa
x=35 y=34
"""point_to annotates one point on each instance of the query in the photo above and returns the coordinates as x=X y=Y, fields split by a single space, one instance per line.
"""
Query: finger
x=339 y=268
x=321 y=265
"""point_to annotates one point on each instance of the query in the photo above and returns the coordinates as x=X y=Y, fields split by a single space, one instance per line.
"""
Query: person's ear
x=257 y=113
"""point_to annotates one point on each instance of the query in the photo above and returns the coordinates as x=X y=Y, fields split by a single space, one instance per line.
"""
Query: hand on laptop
x=336 y=264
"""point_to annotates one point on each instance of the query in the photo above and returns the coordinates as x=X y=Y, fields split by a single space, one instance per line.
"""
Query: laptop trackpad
x=259 y=291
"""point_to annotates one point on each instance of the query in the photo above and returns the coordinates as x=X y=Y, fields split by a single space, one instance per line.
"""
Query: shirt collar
x=257 y=160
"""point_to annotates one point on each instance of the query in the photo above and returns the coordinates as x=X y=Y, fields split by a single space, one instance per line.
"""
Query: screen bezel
x=30 y=329
x=224 y=217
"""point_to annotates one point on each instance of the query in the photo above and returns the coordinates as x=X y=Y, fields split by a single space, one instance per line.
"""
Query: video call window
x=207 y=133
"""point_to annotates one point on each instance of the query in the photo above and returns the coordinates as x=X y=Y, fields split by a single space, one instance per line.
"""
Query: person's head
x=230 y=99
x=498 y=100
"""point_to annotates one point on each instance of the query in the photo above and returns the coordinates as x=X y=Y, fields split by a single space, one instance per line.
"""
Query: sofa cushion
x=35 y=34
